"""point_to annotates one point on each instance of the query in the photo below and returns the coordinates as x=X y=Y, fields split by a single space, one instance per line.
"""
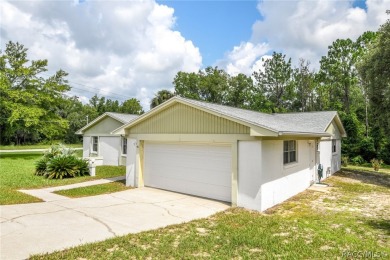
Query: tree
x=160 y=97
x=275 y=82
x=304 y=85
x=213 y=85
x=375 y=72
x=131 y=106
x=102 y=105
x=209 y=85
x=339 y=76
x=77 y=114
x=239 y=91
x=29 y=102
x=99 y=104
x=187 y=85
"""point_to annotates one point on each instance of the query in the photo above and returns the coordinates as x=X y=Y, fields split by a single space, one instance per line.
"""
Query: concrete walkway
x=34 y=228
x=46 y=194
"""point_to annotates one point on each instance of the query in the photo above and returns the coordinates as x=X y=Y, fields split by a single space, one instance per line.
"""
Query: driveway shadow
x=375 y=178
x=382 y=224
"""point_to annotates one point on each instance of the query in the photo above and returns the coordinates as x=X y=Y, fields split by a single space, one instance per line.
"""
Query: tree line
x=353 y=79
x=36 y=108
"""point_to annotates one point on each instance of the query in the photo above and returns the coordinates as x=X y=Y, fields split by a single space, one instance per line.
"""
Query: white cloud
x=124 y=47
x=305 y=29
x=243 y=57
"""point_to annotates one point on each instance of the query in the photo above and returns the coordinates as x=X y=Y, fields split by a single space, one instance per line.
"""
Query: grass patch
x=35 y=146
x=17 y=172
x=311 y=225
x=94 y=190
x=366 y=169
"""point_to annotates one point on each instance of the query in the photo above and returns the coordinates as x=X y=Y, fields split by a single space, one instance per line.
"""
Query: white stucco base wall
x=263 y=179
x=249 y=174
x=131 y=159
x=279 y=181
x=86 y=146
x=109 y=149
x=330 y=161
x=279 y=190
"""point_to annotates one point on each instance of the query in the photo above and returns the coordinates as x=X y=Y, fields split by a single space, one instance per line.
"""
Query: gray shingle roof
x=303 y=122
x=124 y=118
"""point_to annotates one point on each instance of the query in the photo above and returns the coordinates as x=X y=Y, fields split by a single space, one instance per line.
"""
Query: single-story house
x=250 y=159
x=99 y=143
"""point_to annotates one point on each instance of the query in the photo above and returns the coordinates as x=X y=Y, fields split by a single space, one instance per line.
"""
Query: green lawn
x=94 y=190
x=35 y=146
x=17 y=172
x=366 y=169
x=351 y=220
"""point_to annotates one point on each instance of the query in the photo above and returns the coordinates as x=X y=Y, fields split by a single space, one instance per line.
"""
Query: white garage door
x=202 y=170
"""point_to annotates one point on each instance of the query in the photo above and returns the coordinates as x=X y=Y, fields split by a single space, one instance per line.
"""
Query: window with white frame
x=334 y=145
x=124 y=145
x=95 y=144
x=289 y=151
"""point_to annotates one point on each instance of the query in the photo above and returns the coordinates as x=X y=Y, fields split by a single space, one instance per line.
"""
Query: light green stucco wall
x=183 y=119
x=104 y=127
x=334 y=130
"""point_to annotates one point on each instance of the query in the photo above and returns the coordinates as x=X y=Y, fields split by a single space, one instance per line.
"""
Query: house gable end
x=334 y=130
x=103 y=127
x=180 y=118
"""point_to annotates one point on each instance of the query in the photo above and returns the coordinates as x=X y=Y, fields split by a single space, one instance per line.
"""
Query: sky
x=122 y=49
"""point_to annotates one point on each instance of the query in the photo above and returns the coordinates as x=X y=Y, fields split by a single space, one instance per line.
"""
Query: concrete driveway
x=48 y=226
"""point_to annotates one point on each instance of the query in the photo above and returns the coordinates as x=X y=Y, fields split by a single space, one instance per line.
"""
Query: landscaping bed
x=350 y=219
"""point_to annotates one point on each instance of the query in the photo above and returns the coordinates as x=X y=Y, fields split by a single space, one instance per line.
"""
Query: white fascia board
x=305 y=134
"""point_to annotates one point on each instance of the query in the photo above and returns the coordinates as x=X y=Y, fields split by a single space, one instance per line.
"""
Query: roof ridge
x=305 y=112
x=215 y=104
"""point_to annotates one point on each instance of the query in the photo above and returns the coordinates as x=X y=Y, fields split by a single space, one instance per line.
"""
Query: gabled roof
x=303 y=123
x=123 y=118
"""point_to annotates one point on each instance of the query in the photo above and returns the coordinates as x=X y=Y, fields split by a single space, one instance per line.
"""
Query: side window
x=95 y=144
x=334 y=145
x=124 y=145
x=289 y=151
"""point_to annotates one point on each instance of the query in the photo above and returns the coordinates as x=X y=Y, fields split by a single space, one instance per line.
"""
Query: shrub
x=83 y=167
x=344 y=160
x=40 y=166
x=63 y=166
x=376 y=164
x=61 y=162
x=58 y=149
x=357 y=160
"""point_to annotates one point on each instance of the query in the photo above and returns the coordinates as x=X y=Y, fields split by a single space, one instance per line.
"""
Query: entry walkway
x=46 y=194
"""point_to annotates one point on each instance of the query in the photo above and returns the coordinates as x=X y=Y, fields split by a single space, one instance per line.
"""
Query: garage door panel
x=185 y=186
x=202 y=170
x=217 y=176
